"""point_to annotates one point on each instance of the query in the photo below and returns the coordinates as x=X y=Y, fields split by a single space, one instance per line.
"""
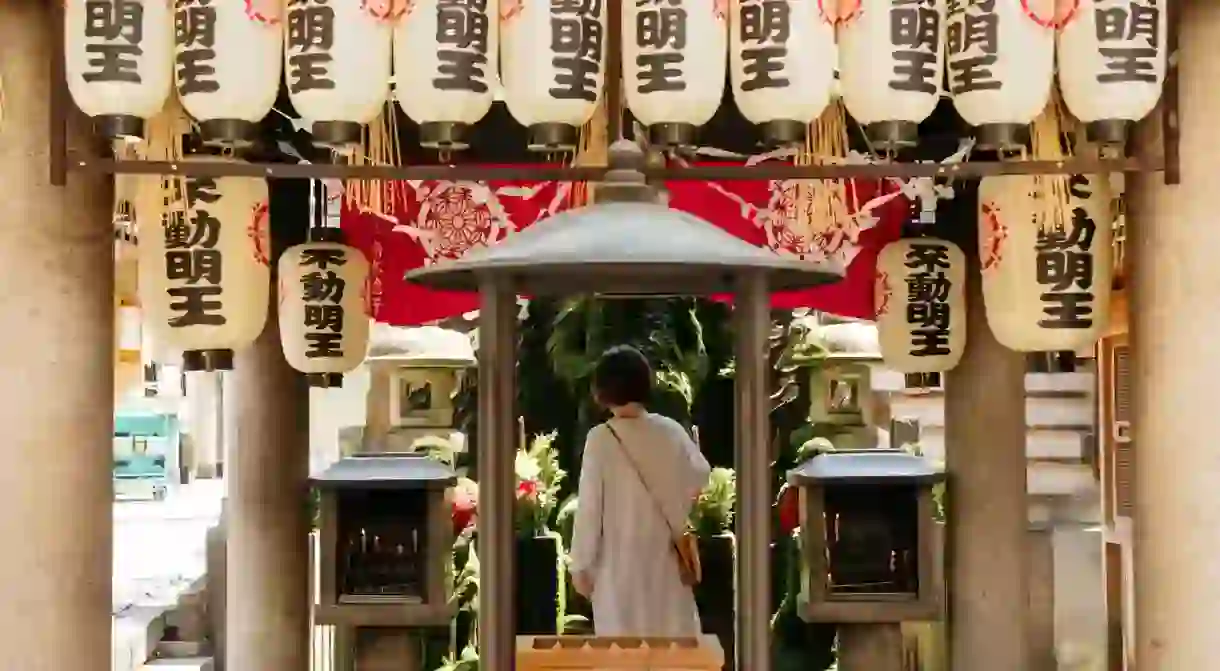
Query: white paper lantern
x=782 y=58
x=674 y=60
x=324 y=323
x=920 y=301
x=1112 y=61
x=119 y=61
x=554 y=66
x=1001 y=66
x=204 y=276
x=1045 y=290
x=446 y=62
x=891 y=63
x=337 y=58
x=227 y=67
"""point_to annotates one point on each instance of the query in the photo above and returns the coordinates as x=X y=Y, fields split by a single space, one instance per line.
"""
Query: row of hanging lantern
x=338 y=56
x=204 y=280
x=1046 y=285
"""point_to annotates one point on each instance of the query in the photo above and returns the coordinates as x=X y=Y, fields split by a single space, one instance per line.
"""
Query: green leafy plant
x=539 y=479
x=712 y=514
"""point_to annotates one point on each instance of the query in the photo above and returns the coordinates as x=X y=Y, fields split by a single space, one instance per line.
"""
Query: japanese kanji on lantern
x=891 y=62
x=337 y=57
x=1046 y=286
x=1112 y=61
x=1001 y=61
x=204 y=276
x=674 y=66
x=920 y=300
x=324 y=323
x=554 y=63
x=119 y=61
x=782 y=58
x=446 y=64
x=227 y=64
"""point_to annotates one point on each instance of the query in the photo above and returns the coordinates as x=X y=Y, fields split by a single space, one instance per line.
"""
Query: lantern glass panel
x=382 y=544
x=871 y=539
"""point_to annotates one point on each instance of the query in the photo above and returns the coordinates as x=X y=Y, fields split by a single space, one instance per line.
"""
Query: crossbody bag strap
x=640 y=475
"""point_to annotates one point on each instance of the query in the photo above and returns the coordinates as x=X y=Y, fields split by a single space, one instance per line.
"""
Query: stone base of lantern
x=237 y=133
x=1002 y=136
x=336 y=134
x=549 y=137
x=573 y=653
x=892 y=135
x=444 y=135
x=118 y=126
x=783 y=132
x=672 y=135
x=386 y=649
x=870 y=647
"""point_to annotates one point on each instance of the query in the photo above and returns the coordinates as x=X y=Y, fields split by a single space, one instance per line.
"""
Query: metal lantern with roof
x=626 y=245
x=870 y=547
x=385 y=539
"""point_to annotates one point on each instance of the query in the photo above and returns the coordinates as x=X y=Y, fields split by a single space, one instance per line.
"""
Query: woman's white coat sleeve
x=587 y=531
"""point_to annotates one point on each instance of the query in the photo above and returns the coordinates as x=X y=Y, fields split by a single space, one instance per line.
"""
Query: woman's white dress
x=620 y=537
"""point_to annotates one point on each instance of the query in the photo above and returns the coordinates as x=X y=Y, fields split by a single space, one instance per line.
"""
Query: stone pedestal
x=870 y=647
x=1173 y=238
x=987 y=518
x=267 y=591
x=56 y=376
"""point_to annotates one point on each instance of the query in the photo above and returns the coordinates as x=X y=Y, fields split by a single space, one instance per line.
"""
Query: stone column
x=1173 y=238
x=986 y=512
x=56 y=376
x=204 y=394
x=268 y=581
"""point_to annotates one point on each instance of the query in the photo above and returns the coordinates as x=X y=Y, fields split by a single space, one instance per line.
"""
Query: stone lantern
x=385 y=538
x=629 y=244
x=870 y=548
x=413 y=375
x=841 y=390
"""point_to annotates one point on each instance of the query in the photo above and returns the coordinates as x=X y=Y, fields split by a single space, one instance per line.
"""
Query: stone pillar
x=267 y=512
x=56 y=376
x=986 y=514
x=1175 y=279
x=205 y=393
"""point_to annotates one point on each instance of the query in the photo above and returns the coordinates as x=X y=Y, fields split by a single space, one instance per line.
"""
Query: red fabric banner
x=434 y=221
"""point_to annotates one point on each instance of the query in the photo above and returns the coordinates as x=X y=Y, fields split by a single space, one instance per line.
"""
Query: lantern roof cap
x=867 y=467
x=627 y=244
x=424 y=346
x=386 y=471
x=851 y=340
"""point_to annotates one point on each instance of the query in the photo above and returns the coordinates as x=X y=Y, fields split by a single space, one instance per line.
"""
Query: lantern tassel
x=822 y=205
x=592 y=148
x=1050 y=140
x=379 y=146
x=163 y=136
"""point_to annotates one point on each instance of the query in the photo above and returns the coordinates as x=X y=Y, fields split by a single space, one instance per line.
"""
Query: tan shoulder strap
x=639 y=474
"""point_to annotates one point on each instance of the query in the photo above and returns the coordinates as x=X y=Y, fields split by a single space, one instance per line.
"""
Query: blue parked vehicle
x=143 y=444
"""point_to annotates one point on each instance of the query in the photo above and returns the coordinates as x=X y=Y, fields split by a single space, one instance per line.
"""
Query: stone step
x=1069 y=412
x=1046 y=444
x=182 y=664
x=1052 y=479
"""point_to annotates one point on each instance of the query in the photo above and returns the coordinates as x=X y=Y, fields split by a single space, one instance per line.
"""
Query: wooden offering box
x=607 y=653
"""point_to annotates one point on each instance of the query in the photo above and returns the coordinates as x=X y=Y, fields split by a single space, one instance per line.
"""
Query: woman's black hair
x=622 y=376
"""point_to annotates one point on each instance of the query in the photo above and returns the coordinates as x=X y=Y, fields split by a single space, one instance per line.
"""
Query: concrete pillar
x=986 y=512
x=267 y=591
x=56 y=377
x=1173 y=237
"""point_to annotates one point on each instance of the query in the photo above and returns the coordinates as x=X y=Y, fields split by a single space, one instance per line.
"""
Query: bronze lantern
x=385 y=540
x=868 y=536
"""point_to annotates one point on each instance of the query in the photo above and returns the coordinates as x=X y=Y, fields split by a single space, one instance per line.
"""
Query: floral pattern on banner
x=265 y=11
x=884 y=293
x=1051 y=14
x=994 y=235
x=438 y=220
